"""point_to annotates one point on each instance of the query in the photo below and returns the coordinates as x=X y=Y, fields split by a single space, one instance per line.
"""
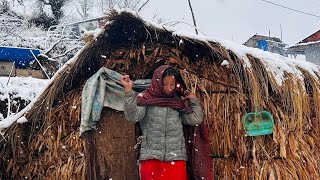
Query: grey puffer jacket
x=162 y=131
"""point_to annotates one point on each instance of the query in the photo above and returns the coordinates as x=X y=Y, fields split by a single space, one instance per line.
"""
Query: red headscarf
x=155 y=95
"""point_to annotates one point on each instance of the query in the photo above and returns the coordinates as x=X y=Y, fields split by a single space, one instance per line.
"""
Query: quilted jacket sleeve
x=132 y=111
x=196 y=117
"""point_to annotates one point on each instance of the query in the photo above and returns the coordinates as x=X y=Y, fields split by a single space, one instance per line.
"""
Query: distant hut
x=231 y=80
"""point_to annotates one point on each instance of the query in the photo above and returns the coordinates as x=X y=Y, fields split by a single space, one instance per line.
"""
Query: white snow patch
x=25 y=88
x=225 y=63
x=181 y=42
x=22 y=120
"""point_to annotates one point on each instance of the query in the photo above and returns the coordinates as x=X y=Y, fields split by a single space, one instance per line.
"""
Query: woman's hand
x=126 y=83
x=189 y=95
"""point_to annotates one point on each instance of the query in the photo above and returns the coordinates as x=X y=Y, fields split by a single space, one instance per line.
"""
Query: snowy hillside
x=16 y=31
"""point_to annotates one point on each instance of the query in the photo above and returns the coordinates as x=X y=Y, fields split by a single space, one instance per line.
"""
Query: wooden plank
x=6 y=67
x=30 y=72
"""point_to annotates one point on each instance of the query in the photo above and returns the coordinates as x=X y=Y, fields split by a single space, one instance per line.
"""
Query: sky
x=238 y=20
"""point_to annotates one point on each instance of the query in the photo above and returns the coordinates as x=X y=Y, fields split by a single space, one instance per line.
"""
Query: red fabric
x=199 y=165
x=159 y=170
x=155 y=95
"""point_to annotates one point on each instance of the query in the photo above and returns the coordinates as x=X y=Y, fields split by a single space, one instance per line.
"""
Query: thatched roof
x=230 y=80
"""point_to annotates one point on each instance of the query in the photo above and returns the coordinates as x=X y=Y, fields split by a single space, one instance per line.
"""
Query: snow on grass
x=21 y=88
x=24 y=87
x=16 y=31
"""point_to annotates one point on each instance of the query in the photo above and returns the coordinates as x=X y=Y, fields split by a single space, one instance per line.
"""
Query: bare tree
x=135 y=5
x=20 y=2
x=101 y=5
x=4 y=6
x=56 y=7
x=83 y=7
x=13 y=2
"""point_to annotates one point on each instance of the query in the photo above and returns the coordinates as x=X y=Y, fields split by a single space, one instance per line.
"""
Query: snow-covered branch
x=65 y=53
x=54 y=45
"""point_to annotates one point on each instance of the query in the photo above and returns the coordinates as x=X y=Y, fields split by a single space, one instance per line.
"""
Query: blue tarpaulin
x=21 y=56
x=262 y=44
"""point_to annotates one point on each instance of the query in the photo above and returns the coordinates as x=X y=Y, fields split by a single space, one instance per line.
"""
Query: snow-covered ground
x=20 y=91
x=16 y=31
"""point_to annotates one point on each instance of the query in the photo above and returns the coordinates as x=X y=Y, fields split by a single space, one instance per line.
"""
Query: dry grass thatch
x=49 y=145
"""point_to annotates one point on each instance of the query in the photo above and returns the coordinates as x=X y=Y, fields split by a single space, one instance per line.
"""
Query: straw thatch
x=49 y=145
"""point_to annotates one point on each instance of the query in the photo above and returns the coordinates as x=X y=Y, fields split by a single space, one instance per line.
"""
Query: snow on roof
x=304 y=44
x=275 y=63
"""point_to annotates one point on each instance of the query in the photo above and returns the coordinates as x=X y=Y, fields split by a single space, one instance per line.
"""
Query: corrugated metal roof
x=312 y=38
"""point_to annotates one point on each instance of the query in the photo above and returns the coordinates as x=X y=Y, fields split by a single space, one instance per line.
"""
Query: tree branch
x=54 y=45
x=145 y=3
x=194 y=20
x=65 y=53
x=79 y=12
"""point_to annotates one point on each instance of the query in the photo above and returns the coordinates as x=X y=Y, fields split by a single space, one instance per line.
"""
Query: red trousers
x=160 y=170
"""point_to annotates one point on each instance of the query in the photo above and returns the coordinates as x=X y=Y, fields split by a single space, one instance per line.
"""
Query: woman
x=161 y=114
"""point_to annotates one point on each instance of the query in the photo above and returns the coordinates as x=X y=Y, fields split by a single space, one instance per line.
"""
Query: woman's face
x=169 y=84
